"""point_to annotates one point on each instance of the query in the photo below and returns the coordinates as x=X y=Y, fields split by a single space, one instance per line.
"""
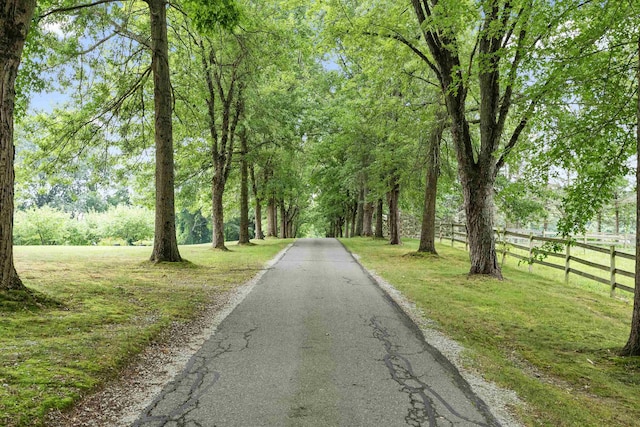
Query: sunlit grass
x=95 y=308
x=554 y=344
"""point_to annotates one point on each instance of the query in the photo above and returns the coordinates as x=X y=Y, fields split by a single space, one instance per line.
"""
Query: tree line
x=330 y=115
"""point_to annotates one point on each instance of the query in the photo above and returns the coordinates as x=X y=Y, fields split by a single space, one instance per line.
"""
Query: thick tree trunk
x=15 y=19
x=478 y=200
x=360 y=211
x=291 y=229
x=165 y=243
x=379 y=221
x=367 y=220
x=428 y=230
x=217 y=214
x=243 y=239
x=632 y=348
x=272 y=229
x=394 y=213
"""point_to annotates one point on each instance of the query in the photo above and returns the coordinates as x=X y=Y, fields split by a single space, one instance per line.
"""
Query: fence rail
x=535 y=253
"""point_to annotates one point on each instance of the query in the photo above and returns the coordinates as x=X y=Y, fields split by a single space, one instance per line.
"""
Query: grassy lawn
x=96 y=307
x=554 y=344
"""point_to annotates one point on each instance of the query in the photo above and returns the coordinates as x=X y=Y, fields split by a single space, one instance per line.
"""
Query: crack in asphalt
x=422 y=398
x=188 y=387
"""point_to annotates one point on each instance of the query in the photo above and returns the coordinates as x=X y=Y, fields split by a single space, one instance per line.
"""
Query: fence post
x=453 y=233
x=566 y=263
x=612 y=270
x=466 y=238
x=530 y=252
x=504 y=244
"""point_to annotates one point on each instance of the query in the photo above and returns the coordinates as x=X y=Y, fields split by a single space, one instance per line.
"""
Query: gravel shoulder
x=498 y=399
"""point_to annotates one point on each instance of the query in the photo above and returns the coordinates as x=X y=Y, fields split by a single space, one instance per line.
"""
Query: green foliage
x=127 y=223
x=50 y=226
x=206 y=14
x=43 y=226
x=520 y=200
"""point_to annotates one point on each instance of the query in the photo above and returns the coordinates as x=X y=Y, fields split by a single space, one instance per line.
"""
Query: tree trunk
x=291 y=229
x=428 y=230
x=217 y=214
x=15 y=19
x=272 y=229
x=283 y=221
x=632 y=348
x=243 y=239
x=394 y=213
x=259 y=234
x=347 y=221
x=360 y=211
x=617 y=213
x=599 y=221
x=367 y=220
x=379 y=222
x=354 y=218
x=165 y=242
x=479 y=212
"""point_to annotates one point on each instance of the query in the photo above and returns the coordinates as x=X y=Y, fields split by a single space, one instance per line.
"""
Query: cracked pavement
x=317 y=343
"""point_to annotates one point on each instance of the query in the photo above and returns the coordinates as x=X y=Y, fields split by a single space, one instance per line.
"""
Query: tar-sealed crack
x=422 y=409
x=182 y=396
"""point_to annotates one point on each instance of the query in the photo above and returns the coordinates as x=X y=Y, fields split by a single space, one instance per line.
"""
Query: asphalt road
x=317 y=343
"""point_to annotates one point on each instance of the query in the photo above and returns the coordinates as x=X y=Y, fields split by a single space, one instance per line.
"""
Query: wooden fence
x=536 y=251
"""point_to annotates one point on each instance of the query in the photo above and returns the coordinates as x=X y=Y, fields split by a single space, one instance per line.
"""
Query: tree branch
x=74 y=8
x=410 y=45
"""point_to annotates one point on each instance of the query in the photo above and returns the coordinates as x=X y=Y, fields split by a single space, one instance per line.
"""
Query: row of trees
x=217 y=96
x=517 y=96
x=331 y=115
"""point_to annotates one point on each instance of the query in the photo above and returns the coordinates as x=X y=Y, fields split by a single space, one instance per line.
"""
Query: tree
x=632 y=347
x=15 y=20
x=428 y=229
x=165 y=242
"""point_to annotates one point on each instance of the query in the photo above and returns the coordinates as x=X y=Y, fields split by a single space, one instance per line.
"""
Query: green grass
x=554 y=344
x=93 y=309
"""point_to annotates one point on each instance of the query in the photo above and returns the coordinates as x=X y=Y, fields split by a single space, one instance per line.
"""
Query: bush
x=43 y=226
x=48 y=226
x=127 y=223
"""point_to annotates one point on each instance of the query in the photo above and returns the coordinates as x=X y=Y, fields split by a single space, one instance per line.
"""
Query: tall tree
x=428 y=229
x=165 y=242
x=15 y=20
x=632 y=347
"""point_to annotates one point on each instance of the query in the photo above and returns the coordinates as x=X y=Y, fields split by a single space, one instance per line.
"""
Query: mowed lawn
x=95 y=308
x=554 y=344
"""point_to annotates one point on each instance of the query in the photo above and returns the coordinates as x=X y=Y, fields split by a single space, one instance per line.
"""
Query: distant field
x=554 y=344
x=96 y=307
